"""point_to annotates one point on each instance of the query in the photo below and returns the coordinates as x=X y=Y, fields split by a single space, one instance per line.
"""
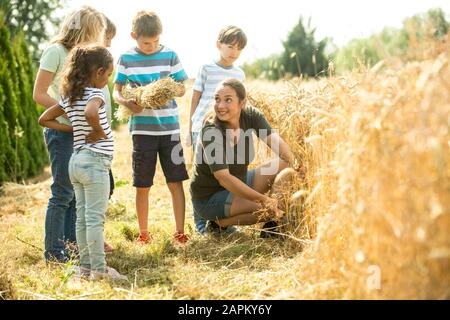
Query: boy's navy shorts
x=145 y=151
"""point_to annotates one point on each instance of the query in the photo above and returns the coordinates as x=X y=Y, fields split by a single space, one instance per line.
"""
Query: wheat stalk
x=151 y=96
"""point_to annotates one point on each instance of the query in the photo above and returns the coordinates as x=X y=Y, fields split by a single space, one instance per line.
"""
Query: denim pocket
x=106 y=162
x=96 y=173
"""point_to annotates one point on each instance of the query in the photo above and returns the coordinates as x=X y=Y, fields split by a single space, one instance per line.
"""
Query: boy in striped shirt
x=154 y=131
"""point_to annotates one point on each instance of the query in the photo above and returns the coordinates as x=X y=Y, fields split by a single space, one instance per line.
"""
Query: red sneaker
x=144 y=239
x=181 y=238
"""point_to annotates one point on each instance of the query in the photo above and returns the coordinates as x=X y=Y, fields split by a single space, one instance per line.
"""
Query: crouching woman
x=222 y=188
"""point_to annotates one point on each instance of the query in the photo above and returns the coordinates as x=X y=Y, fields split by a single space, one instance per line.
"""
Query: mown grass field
x=369 y=217
x=208 y=268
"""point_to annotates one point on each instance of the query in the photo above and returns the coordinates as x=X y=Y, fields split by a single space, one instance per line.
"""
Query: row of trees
x=22 y=149
x=33 y=18
x=24 y=26
x=411 y=42
x=304 y=55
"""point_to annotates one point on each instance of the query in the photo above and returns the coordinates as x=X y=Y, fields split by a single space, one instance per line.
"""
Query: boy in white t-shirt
x=231 y=41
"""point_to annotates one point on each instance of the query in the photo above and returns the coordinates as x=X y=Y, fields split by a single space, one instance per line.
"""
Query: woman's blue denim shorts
x=217 y=206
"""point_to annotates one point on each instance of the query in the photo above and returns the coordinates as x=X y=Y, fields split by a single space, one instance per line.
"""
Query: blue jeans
x=89 y=173
x=61 y=213
x=200 y=223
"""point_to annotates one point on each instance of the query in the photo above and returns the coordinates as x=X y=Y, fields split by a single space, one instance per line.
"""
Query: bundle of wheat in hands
x=152 y=96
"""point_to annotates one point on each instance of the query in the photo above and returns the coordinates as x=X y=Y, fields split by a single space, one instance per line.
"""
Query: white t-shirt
x=209 y=76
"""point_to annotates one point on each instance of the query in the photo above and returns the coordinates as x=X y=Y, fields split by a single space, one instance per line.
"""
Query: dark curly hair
x=82 y=62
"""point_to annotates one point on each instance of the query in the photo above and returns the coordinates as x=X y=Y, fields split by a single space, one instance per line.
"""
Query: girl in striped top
x=85 y=74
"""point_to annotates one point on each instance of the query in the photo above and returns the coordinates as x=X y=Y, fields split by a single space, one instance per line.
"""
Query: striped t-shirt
x=209 y=76
x=138 y=69
x=81 y=128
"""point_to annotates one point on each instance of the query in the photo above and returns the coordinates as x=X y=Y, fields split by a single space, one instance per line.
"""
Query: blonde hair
x=147 y=24
x=81 y=64
x=85 y=25
x=110 y=27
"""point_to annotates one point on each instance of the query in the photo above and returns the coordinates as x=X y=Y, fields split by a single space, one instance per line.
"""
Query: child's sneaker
x=181 y=238
x=110 y=273
x=144 y=239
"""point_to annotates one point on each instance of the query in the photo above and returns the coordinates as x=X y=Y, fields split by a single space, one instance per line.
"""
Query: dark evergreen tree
x=33 y=18
x=23 y=153
x=28 y=113
x=8 y=82
x=303 y=55
x=5 y=144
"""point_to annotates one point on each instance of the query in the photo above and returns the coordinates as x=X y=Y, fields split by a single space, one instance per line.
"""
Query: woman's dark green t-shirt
x=216 y=151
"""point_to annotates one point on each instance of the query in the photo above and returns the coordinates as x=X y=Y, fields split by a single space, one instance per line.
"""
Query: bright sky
x=191 y=27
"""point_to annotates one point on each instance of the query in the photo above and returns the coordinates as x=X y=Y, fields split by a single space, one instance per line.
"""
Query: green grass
x=210 y=267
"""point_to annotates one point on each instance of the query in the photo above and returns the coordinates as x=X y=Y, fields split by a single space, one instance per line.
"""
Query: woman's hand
x=271 y=205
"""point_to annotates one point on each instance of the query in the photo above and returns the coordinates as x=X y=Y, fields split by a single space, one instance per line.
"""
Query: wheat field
x=369 y=212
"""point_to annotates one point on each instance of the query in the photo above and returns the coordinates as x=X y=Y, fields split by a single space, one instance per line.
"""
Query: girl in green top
x=222 y=189
x=85 y=25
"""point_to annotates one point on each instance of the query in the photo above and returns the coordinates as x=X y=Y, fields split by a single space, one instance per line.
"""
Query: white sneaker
x=110 y=273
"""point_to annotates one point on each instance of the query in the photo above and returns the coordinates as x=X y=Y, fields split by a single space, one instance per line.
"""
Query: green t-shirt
x=216 y=151
x=53 y=60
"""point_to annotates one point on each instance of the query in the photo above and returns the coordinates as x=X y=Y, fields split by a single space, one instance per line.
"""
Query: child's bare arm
x=93 y=119
x=196 y=95
x=119 y=98
x=43 y=81
x=48 y=119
